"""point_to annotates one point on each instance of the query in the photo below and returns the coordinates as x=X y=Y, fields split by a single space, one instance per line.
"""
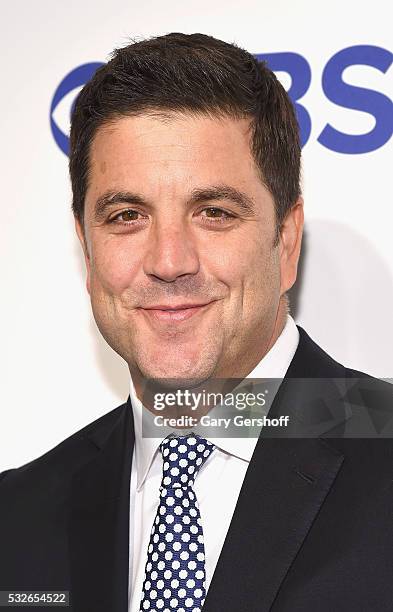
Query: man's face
x=176 y=215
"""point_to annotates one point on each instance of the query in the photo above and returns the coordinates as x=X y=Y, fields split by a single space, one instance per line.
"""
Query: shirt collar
x=273 y=365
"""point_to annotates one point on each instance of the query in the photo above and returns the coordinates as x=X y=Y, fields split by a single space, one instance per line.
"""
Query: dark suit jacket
x=312 y=529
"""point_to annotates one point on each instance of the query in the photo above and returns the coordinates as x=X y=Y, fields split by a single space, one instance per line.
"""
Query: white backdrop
x=57 y=374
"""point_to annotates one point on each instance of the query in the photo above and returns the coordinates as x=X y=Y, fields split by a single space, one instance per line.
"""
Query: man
x=185 y=163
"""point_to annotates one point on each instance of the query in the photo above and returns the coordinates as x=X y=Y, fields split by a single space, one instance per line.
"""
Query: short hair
x=198 y=74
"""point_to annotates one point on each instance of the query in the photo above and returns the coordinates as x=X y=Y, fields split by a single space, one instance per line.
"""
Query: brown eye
x=128 y=215
x=216 y=212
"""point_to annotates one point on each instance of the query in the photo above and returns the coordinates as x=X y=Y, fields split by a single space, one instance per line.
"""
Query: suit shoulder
x=368 y=442
x=366 y=381
x=68 y=454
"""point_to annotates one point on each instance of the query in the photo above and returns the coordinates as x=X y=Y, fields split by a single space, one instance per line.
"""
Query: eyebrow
x=214 y=193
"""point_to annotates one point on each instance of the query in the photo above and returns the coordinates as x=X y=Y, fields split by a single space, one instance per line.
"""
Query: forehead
x=196 y=144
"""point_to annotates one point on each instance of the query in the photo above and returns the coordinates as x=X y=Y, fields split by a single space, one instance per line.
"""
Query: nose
x=171 y=252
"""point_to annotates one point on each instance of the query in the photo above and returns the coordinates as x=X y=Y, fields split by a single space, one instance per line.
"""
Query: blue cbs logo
x=73 y=80
x=334 y=88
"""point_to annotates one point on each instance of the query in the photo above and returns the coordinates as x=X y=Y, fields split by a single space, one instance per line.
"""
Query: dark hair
x=199 y=74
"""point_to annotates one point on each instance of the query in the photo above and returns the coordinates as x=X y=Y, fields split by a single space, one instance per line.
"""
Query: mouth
x=173 y=314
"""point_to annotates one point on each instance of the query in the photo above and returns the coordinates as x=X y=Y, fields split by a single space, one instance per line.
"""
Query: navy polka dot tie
x=175 y=568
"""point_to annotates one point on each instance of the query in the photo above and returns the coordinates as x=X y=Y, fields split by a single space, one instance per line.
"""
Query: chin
x=169 y=375
x=169 y=369
x=158 y=384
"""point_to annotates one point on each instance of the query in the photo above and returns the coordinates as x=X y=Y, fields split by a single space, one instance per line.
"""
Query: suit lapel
x=99 y=519
x=284 y=488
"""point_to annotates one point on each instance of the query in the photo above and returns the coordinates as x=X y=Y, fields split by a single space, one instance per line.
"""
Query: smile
x=174 y=314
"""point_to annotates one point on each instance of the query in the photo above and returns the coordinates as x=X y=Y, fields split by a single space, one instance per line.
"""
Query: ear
x=82 y=239
x=290 y=242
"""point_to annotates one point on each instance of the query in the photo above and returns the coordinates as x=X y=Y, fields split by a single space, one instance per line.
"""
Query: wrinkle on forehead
x=145 y=123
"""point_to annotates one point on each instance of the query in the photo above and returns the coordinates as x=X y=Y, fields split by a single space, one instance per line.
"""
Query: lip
x=180 y=312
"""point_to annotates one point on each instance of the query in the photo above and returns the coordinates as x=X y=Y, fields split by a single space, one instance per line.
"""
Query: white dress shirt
x=227 y=465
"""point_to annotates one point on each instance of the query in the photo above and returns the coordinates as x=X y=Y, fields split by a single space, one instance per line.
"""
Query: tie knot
x=183 y=457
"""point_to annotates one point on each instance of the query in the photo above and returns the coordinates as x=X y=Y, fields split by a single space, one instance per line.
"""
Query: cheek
x=251 y=261
x=261 y=273
x=112 y=267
